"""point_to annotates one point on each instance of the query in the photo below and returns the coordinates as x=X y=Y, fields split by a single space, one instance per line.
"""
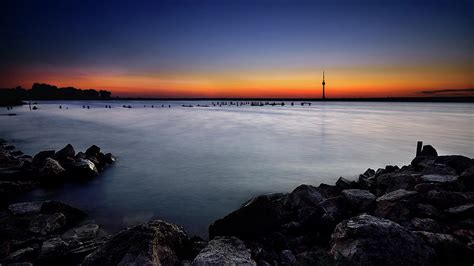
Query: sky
x=228 y=48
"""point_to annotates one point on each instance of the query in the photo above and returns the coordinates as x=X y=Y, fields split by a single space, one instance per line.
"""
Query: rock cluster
x=420 y=214
x=20 y=172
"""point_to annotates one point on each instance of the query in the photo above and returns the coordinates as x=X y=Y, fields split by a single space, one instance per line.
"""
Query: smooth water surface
x=191 y=166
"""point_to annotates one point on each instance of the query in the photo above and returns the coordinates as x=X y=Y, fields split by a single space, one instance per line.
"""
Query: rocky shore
x=419 y=214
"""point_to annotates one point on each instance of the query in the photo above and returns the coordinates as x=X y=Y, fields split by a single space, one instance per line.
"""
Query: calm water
x=191 y=166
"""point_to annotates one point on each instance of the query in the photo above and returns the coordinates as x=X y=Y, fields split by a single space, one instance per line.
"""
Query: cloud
x=467 y=91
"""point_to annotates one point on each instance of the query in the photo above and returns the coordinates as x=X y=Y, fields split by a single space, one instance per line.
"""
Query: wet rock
x=92 y=151
x=428 y=150
x=85 y=168
x=152 y=243
x=46 y=224
x=304 y=196
x=109 y=158
x=258 y=216
x=51 y=170
x=66 y=152
x=343 y=183
x=39 y=158
x=424 y=224
x=359 y=200
x=25 y=208
x=368 y=240
x=224 y=251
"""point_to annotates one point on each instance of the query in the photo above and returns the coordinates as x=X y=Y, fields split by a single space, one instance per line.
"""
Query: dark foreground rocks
x=20 y=172
x=420 y=214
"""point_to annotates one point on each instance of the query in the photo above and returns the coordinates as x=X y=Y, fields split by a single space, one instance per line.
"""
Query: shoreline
x=427 y=208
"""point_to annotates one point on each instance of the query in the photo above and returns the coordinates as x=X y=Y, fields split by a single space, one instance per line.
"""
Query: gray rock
x=304 y=196
x=400 y=194
x=343 y=183
x=87 y=231
x=424 y=224
x=25 y=207
x=86 y=168
x=51 y=170
x=53 y=247
x=46 y=224
x=457 y=162
x=445 y=199
x=153 y=243
x=73 y=215
x=224 y=251
x=23 y=254
x=463 y=211
x=360 y=200
x=368 y=240
x=392 y=181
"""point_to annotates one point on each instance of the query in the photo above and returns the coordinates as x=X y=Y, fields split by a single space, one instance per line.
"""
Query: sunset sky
x=228 y=48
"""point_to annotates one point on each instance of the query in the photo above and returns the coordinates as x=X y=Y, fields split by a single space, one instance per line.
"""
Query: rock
x=333 y=210
x=152 y=243
x=426 y=187
x=109 y=158
x=445 y=199
x=87 y=231
x=23 y=254
x=258 y=216
x=224 y=251
x=369 y=173
x=9 y=147
x=51 y=170
x=424 y=224
x=467 y=178
x=287 y=257
x=457 y=162
x=85 y=168
x=360 y=200
x=73 y=215
x=46 y=224
x=368 y=240
x=343 y=183
x=39 y=158
x=462 y=212
x=392 y=181
x=25 y=208
x=397 y=195
x=66 y=152
x=428 y=150
x=449 y=251
x=439 y=178
x=304 y=196
x=93 y=151
x=427 y=210
x=51 y=248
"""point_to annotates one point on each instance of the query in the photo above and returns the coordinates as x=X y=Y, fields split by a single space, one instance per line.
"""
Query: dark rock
x=424 y=224
x=439 y=178
x=397 y=195
x=109 y=158
x=93 y=151
x=23 y=254
x=258 y=216
x=9 y=147
x=152 y=243
x=51 y=171
x=80 y=155
x=445 y=199
x=428 y=150
x=333 y=210
x=449 y=251
x=66 y=152
x=304 y=196
x=46 y=224
x=25 y=208
x=85 y=232
x=53 y=248
x=457 y=162
x=359 y=200
x=84 y=168
x=369 y=173
x=39 y=158
x=343 y=183
x=73 y=215
x=287 y=257
x=224 y=251
x=397 y=206
x=467 y=178
x=16 y=153
x=427 y=210
x=392 y=181
x=461 y=212
x=426 y=187
x=368 y=240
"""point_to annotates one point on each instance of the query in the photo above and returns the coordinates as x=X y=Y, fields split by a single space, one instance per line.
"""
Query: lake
x=191 y=166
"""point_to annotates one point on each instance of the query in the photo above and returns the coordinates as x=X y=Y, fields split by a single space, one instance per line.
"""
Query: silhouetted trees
x=41 y=91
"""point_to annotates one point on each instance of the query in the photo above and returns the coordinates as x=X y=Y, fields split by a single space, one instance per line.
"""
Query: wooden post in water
x=419 y=145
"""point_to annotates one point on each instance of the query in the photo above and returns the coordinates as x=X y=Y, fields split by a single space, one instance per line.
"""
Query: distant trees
x=41 y=91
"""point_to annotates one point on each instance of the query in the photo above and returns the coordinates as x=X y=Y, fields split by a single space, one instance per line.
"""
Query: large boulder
x=304 y=196
x=226 y=250
x=25 y=208
x=359 y=199
x=428 y=150
x=93 y=151
x=72 y=214
x=457 y=162
x=397 y=206
x=66 y=152
x=51 y=171
x=258 y=216
x=153 y=243
x=84 y=168
x=368 y=240
x=45 y=224
x=39 y=158
x=392 y=181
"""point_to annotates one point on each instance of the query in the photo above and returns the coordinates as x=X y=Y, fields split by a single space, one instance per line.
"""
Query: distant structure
x=324 y=83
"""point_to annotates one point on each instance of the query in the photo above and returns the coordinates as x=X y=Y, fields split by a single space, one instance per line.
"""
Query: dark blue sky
x=169 y=37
